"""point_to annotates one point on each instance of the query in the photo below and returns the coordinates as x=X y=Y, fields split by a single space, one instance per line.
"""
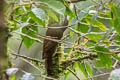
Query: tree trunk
x=3 y=44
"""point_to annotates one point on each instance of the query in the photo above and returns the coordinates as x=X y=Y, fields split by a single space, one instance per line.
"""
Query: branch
x=79 y=59
x=75 y=1
x=26 y=57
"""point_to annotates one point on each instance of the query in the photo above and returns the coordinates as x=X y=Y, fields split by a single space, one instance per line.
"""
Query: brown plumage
x=49 y=46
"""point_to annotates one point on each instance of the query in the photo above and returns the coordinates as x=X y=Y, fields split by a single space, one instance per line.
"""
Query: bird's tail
x=48 y=64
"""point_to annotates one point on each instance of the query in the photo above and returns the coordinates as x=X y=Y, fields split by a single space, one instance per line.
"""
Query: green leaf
x=57 y=6
x=94 y=37
x=18 y=10
x=82 y=68
x=101 y=26
x=69 y=50
x=117 y=39
x=66 y=74
x=83 y=28
x=90 y=44
x=39 y=13
x=105 y=59
x=36 y=19
x=95 y=23
x=81 y=15
x=116 y=17
x=12 y=77
x=99 y=64
x=27 y=41
x=89 y=70
x=71 y=32
x=53 y=15
x=69 y=12
x=116 y=57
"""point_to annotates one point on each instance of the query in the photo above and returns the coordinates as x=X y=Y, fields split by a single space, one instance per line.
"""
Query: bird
x=49 y=46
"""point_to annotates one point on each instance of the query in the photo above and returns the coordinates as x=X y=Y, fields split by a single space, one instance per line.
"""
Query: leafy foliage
x=93 y=29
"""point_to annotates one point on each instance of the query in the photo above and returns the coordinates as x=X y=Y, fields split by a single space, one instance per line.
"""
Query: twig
x=75 y=31
x=103 y=74
x=26 y=57
x=115 y=64
x=73 y=73
x=28 y=36
x=100 y=4
x=51 y=38
x=20 y=47
x=75 y=1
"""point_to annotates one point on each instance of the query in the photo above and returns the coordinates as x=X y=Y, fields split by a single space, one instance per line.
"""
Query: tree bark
x=3 y=44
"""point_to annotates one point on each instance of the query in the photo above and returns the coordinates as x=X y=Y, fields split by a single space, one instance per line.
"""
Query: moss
x=56 y=64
